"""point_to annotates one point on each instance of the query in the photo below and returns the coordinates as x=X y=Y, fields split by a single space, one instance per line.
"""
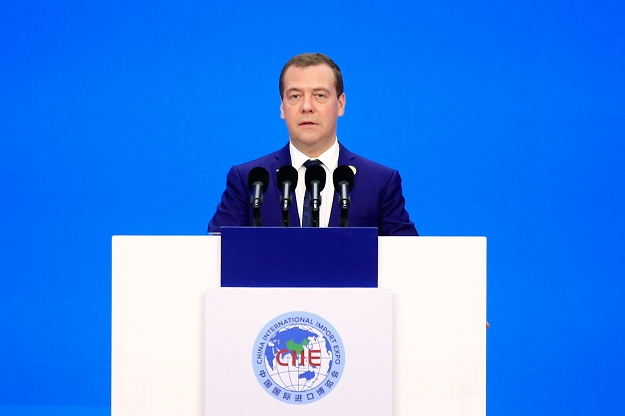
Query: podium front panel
x=251 y=360
x=299 y=257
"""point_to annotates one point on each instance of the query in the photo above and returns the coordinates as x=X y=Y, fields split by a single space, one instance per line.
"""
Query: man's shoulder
x=361 y=162
x=267 y=160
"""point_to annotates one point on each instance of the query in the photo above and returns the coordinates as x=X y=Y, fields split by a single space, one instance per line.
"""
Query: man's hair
x=312 y=59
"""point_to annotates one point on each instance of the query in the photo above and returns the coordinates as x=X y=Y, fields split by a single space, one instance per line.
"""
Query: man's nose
x=307 y=104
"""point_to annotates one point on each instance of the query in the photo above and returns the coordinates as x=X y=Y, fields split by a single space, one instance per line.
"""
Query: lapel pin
x=353 y=168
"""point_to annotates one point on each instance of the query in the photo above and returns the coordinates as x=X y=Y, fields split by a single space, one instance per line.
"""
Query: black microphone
x=343 y=179
x=315 y=182
x=257 y=181
x=287 y=182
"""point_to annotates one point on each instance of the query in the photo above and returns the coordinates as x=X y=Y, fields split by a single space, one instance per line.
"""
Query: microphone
x=315 y=182
x=257 y=181
x=287 y=182
x=343 y=179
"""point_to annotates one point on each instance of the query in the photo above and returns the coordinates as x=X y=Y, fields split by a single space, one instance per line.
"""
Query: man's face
x=311 y=108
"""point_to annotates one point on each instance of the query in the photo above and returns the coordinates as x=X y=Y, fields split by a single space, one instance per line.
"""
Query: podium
x=438 y=287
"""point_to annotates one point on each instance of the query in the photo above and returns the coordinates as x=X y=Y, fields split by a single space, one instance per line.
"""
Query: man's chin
x=307 y=138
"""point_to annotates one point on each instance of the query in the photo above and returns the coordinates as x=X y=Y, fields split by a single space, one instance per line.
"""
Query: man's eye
x=294 y=96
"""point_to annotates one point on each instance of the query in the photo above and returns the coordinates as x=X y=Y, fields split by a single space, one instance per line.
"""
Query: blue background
x=505 y=120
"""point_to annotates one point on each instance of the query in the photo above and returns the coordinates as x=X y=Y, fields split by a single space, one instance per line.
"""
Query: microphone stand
x=257 y=202
x=286 y=203
x=315 y=202
x=345 y=201
x=344 y=220
x=257 y=221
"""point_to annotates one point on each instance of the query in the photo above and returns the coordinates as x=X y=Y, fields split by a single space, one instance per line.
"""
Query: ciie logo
x=298 y=358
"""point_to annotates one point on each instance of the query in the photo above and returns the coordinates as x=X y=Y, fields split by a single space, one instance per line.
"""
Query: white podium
x=439 y=308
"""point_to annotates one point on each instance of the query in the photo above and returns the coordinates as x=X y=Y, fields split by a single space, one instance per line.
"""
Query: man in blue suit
x=311 y=90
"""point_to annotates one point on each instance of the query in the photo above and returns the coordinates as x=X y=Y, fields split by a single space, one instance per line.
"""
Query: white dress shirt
x=330 y=161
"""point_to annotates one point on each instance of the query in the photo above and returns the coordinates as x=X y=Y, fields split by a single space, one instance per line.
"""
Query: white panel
x=157 y=323
x=440 y=319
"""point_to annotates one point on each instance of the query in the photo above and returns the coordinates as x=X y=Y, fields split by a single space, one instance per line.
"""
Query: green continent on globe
x=294 y=346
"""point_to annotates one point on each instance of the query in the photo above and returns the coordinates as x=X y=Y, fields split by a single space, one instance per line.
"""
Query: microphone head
x=258 y=174
x=315 y=173
x=287 y=173
x=343 y=173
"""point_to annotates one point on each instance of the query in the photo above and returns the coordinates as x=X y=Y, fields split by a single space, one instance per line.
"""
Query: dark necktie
x=307 y=216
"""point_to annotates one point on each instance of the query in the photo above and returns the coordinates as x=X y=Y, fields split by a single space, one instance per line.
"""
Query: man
x=312 y=100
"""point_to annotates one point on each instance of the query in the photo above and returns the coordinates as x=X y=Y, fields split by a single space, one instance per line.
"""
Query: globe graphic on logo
x=297 y=373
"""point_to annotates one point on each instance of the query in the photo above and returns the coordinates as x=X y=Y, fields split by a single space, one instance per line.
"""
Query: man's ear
x=341 y=104
x=282 y=110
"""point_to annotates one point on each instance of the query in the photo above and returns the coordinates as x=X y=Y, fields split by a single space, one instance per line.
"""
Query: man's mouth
x=307 y=123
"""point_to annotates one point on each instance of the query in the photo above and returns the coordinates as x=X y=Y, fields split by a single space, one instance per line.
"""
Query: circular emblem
x=298 y=358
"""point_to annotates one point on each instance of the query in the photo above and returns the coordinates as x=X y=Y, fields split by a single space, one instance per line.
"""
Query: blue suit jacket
x=376 y=199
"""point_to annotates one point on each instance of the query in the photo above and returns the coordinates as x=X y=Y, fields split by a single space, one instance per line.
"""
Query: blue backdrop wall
x=124 y=117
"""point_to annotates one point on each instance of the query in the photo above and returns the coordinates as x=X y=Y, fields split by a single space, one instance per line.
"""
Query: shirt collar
x=330 y=158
